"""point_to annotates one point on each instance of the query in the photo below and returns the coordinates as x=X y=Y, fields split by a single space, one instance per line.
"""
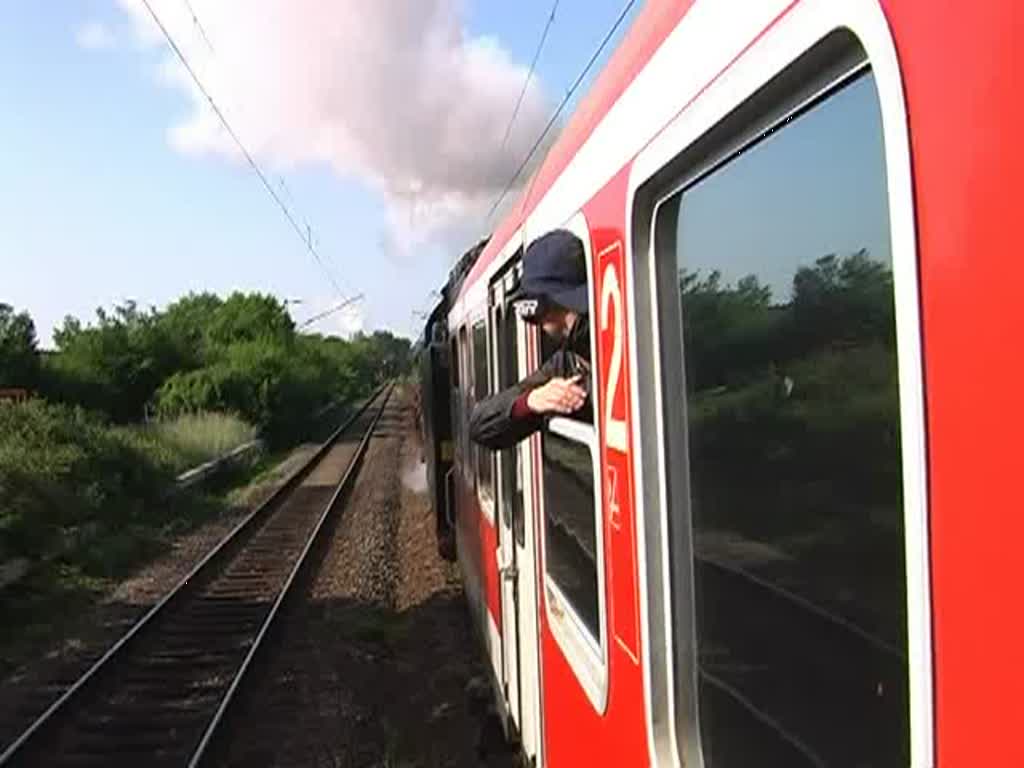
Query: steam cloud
x=391 y=91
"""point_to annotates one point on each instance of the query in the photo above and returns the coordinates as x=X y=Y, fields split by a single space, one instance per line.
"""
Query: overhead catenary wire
x=558 y=111
x=430 y=301
x=199 y=25
x=303 y=236
x=529 y=75
x=336 y=308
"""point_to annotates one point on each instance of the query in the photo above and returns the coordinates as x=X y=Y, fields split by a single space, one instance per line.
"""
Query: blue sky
x=97 y=206
x=816 y=186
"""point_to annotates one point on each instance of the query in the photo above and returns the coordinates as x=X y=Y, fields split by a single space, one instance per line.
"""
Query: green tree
x=250 y=317
x=730 y=331
x=241 y=354
x=188 y=321
x=19 y=359
x=117 y=364
x=843 y=300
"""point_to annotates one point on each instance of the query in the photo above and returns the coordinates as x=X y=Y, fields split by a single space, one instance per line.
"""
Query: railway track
x=158 y=696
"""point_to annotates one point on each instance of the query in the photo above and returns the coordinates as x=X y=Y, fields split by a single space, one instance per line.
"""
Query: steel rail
x=254 y=649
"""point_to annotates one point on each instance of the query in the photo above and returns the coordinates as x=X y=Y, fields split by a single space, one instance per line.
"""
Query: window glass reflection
x=570 y=535
x=484 y=457
x=793 y=421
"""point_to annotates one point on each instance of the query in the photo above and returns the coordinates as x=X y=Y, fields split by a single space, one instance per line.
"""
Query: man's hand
x=557 y=396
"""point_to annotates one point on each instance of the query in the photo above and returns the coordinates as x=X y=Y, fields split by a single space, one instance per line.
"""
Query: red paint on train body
x=959 y=65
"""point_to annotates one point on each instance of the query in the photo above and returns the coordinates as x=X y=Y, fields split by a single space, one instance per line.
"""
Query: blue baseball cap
x=555 y=270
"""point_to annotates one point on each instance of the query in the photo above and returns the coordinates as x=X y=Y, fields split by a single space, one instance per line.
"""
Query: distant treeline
x=240 y=355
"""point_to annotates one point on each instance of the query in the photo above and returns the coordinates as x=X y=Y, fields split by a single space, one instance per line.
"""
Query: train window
x=462 y=365
x=454 y=364
x=507 y=342
x=570 y=527
x=481 y=389
x=572 y=534
x=793 y=506
x=513 y=455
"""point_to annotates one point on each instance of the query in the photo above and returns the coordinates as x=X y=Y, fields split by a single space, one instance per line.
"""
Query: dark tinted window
x=548 y=346
x=464 y=402
x=454 y=363
x=481 y=389
x=569 y=524
x=793 y=420
x=570 y=508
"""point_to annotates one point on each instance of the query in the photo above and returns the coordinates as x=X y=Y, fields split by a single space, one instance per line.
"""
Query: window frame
x=502 y=314
x=496 y=317
x=505 y=281
x=758 y=91
x=587 y=655
x=463 y=362
x=484 y=499
x=679 y=499
x=456 y=374
x=510 y=324
x=455 y=401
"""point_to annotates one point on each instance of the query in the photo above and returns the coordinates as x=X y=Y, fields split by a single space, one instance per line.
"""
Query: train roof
x=650 y=28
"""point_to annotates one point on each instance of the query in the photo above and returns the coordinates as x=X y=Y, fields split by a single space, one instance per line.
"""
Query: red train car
x=788 y=535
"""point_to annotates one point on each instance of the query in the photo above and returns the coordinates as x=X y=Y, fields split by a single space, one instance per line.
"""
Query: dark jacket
x=494 y=422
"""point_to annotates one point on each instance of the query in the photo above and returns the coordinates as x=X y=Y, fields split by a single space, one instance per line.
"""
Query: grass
x=205 y=435
x=191 y=439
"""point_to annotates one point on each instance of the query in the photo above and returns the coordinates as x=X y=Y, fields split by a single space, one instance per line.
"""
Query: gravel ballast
x=372 y=668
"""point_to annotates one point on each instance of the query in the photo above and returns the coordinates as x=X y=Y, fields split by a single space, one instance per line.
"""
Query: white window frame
x=795 y=32
x=465 y=380
x=587 y=655
x=486 y=500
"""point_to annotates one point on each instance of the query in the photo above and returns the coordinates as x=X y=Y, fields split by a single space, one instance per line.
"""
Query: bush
x=67 y=481
x=274 y=386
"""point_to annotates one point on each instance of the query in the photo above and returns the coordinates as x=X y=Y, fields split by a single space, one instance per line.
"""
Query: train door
x=516 y=559
x=509 y=503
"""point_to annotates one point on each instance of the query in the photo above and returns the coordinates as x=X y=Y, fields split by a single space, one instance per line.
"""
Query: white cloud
x=393 y=92
x=94 y=36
